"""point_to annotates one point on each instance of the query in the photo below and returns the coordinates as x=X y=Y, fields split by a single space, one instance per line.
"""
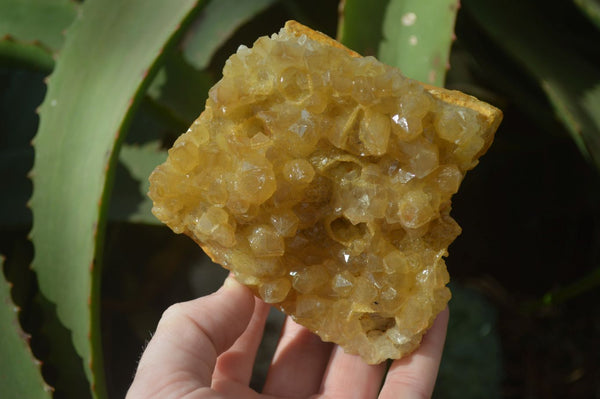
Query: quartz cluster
x=323 y=180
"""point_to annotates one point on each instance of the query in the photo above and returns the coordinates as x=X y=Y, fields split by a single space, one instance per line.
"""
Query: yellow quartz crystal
x=323 y=180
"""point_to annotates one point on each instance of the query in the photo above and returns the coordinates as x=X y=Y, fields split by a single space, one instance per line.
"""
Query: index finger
x=182 y=354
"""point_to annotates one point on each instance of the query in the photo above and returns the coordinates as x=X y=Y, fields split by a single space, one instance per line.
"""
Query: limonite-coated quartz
x=323 y=180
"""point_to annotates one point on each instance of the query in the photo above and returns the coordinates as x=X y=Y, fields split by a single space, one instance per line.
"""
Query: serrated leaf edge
x=25 y=338
x=111 y=158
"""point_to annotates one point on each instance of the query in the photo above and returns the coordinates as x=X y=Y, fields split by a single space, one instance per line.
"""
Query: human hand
x=205 y=348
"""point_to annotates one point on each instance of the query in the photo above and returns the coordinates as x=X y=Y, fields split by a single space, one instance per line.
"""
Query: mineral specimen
x=323 y=180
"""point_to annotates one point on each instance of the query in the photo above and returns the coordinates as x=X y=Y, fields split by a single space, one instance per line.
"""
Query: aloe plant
x=414 y=36
x=127 y=76
x=89 y=100
x=20 y=374
x=571 y=86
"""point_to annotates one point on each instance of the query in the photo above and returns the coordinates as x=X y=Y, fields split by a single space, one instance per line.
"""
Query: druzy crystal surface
x=323 y=180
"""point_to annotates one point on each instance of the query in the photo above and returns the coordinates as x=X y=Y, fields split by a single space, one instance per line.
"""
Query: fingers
x=218 y=336
x=414 y=376
x=348 y=376
x=236 y=364
x=298 y=364
x=182 y=354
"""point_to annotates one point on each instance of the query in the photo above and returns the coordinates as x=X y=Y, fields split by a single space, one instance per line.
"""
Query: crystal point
x=323 y=181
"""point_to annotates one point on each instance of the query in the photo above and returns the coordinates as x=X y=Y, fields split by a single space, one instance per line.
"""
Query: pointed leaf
x=591 y=8
x=37 y=20
x=151 y=126
x=130 y=201
x=20 y=373
x=484 y=60
x=18 y=54
x=577 y=107
x=354 y=33
x=217 y=22
x=66 y=369
x=85 y=113
x=417 y=36
x=570 y=81
x=180 y=88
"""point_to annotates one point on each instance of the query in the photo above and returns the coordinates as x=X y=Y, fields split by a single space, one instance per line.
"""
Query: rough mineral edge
x=491 y=114
x=347 y=234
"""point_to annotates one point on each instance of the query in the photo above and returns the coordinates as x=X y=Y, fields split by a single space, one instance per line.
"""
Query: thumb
x=181 y=355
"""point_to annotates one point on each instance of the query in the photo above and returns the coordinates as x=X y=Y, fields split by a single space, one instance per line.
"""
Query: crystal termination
x=323 y=180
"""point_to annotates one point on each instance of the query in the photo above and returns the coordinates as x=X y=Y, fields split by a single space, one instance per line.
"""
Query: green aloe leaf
x=570 y=81
x=476 y=58
x=20 y=373
x=109 y=53
x=180 y=88
x=412 y=35
x=417 y=36
x=40 y=21
x=64 y=364
x=152 y=125
x=31 y=31
x=354 y=32
x=130 y=201
x=17 y=54
x=217 y=22
x=591 y=8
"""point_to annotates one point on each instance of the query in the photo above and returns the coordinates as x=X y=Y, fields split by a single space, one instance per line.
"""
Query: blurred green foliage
x=472 y=359
x=107 y=98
